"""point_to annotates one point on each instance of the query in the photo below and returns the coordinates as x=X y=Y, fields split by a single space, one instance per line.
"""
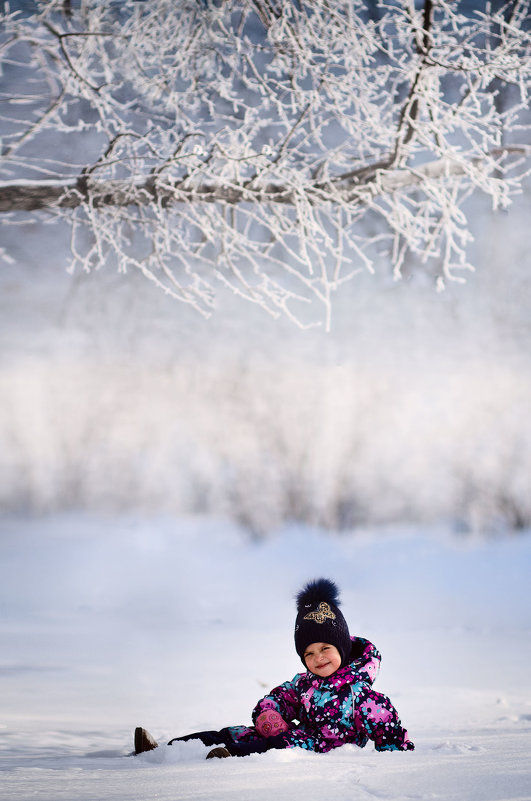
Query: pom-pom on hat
x=319 y=619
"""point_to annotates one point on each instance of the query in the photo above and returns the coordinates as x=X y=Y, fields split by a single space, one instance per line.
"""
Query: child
x=331 y=704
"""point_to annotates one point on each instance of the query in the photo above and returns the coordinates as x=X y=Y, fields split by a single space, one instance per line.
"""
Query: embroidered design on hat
x=322 y=612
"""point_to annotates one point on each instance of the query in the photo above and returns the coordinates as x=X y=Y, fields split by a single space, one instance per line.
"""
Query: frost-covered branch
x=268 y=145
x=70 y=194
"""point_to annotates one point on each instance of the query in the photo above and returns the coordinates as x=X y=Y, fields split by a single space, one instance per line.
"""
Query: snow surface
x=182 y=624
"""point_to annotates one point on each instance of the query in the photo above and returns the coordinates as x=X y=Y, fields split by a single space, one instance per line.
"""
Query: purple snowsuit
x=323 y=713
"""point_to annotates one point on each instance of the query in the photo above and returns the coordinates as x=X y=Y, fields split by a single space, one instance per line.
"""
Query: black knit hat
x=319 y=619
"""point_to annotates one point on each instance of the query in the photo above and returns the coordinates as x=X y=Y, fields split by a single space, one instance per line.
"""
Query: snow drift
x=179 y=625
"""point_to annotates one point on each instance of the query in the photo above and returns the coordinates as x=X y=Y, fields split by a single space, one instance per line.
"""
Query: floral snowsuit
x=323 y=713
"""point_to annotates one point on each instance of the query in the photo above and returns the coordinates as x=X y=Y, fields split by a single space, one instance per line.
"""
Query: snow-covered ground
x=182 y=624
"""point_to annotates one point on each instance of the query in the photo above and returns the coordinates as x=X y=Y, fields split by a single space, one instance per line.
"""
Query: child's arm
x=283 y=699
x=365 y=658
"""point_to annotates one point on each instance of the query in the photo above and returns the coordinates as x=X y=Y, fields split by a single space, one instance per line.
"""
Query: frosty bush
x=138 y=438
x=275 y=146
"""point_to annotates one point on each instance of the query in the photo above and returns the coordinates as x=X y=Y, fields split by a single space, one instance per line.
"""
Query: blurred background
x=415 y=407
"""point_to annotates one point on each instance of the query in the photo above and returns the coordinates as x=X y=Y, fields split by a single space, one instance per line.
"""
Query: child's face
x=322 y=658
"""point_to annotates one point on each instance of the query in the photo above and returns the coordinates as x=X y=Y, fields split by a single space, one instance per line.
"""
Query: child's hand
x=270 y=723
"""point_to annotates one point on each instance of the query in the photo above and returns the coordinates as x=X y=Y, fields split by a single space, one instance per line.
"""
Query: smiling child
x=332 y=703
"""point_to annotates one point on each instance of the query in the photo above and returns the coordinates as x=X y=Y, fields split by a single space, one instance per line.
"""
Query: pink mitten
x=269 y=723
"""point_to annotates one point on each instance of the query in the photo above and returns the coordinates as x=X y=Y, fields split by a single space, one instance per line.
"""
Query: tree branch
x=71 y=193
x=312 y=119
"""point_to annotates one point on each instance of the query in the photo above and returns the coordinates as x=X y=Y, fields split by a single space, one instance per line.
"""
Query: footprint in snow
x=457 y=748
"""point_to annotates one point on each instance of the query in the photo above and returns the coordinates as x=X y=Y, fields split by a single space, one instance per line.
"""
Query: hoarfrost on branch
x=276 y=146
